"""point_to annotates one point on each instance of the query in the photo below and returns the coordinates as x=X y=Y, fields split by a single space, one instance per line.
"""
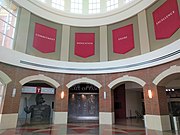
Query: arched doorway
x=172 y=89
x=168 y=82
x=4 y=81
x=128 y=100
x=2 y=93
x=36 y=104
x=83 y=105
x=128 y=104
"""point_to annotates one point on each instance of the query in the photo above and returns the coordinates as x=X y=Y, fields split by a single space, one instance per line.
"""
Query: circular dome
x=86 y=7
x=87 y=13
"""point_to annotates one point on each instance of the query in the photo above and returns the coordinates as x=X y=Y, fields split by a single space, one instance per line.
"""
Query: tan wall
x=32 y=51
x=156 y=44
x=144 y=37
x=22 y=28
x=134 y=52
x=96 y=56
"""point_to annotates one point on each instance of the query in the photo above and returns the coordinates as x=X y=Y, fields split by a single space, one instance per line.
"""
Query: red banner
x=166 y=19
x=38 y=90
x=44 y=38
x=123 y=39
x=84 y=44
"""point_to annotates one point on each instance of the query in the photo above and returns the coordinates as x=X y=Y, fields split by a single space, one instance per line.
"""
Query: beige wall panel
x=134 y=52
x=32 y=51
x=143 y=32
x=96 y=56
x=156 y=44
x=103 y=44
x=65 y=43
x=22 y=31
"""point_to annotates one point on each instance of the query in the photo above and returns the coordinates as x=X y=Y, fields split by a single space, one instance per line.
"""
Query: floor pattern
x=82 y=129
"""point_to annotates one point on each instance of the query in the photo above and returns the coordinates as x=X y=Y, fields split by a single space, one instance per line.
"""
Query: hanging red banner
x=44 y=38
x=123 y=39
x=166 y=19
x=84 y=44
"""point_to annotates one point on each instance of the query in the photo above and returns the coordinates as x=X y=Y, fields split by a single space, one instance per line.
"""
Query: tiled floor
x=128 y=127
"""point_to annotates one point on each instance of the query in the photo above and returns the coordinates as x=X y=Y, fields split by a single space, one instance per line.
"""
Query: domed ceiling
x=85 y=13
x=86 y=7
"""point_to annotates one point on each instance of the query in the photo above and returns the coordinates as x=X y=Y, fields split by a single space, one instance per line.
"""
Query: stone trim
x=172 y=70
x=39 y=77
x=60 y=117
x=157 y=122
x=126 y=78
x=84 y=80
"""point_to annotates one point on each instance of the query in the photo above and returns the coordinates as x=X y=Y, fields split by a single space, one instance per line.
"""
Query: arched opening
x=170 y=85
x=4 y=80
x=83 y=105
x=2 y=94
x=128 y=104
x=4 y=117
x=37 y=103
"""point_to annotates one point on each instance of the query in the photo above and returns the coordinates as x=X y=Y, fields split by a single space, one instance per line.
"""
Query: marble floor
x=128 y=127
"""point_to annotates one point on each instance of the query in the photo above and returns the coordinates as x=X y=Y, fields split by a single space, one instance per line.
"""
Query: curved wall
x=161 y=56
x=141 y=48
x=152 y=57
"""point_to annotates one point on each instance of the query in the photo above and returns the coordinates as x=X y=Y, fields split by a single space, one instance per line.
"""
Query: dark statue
x=40 y=114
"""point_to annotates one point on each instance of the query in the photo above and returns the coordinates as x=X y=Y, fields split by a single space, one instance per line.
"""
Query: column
x=22 y=31
x=103 y=44
x=156 y=108
x=65 y=43
x=60 y=115
x=106 y=116
x=143 y=32
x=9 y=116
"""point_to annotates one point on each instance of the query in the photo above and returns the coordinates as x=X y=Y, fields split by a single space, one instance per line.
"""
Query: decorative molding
x=8 y=121
x=60 y=117
x=172 y=70
x=39 y=77
x=154 y=58
x=84 y=80
x=126 y=78
x=106 y=118
x=4 y=78
x=157 y=122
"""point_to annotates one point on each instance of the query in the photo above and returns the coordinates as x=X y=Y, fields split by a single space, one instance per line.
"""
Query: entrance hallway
x=83 y=129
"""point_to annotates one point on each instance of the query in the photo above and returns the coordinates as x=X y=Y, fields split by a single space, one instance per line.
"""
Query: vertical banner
x=166 y=19
x=123 y=39
x=84 y=44
x=44 y=38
